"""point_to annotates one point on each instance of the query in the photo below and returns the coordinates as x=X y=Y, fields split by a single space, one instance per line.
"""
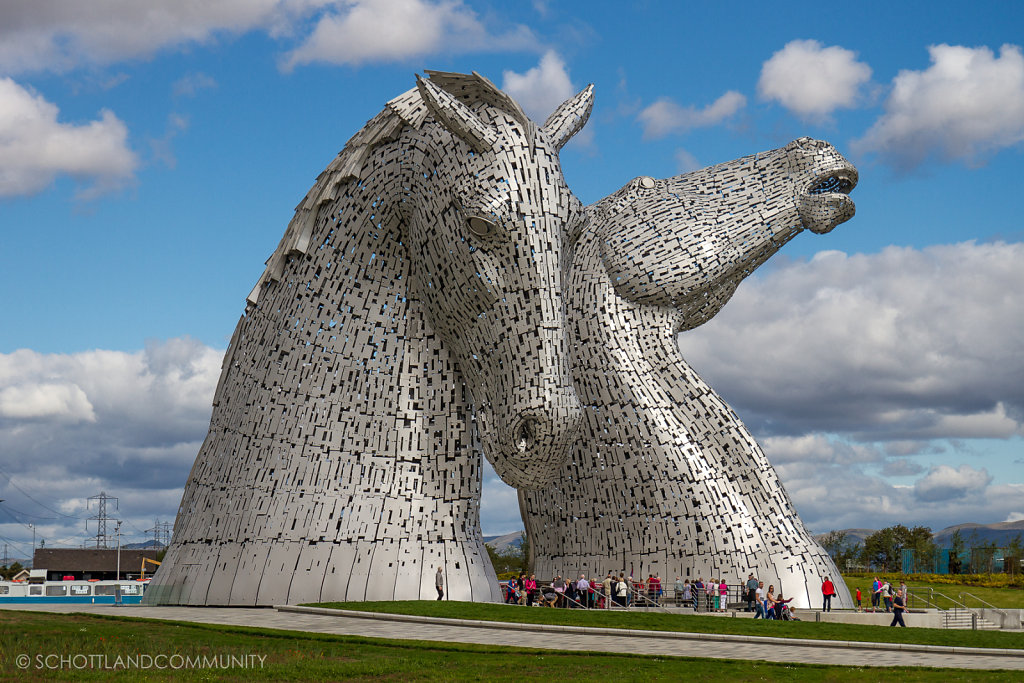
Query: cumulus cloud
x=903 y=344
x=45 y=401
x=64 y=34
x=812 y=80
x=807 y=448
x=35 y=147
x=835 y=496
x=127 y=423
x=943 y=483
x=60 y=35
x=358 y=31
x=665 y=116
x=901 y=467
x=541 y=89
x=966 y=105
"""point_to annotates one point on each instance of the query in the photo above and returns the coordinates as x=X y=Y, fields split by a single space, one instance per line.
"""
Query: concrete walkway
x=572 y=638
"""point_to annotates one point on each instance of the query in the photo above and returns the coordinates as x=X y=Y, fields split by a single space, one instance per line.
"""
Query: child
x=858 y=600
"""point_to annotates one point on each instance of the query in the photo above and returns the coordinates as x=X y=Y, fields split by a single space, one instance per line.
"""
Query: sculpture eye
x=481 y=227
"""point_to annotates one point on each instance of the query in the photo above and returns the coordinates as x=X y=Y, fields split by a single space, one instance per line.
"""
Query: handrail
x=639 y=595
x=984 y=602
x=929 y=601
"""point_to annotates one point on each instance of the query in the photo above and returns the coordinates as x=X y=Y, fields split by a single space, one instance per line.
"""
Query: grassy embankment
x=686 y=623
x=992 y=588
x=304 y=656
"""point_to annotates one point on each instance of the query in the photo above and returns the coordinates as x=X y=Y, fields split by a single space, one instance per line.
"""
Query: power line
x=26 y=514
x=15 y=546
x=10 y=481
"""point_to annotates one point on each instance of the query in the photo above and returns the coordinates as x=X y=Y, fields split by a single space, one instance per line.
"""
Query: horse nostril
x=525 y=434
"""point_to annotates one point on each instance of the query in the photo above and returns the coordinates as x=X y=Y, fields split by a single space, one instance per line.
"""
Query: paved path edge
x=593 y=630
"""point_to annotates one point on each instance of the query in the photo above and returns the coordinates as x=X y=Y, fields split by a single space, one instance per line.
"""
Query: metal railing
x=638 y=596
x=987 y=605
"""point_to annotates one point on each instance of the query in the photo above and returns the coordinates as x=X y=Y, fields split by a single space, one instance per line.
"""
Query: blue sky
x=151 y=155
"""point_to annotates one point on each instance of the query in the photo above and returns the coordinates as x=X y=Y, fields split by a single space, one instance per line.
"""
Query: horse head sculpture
x=665 y=478
x=688 y=241
x=412 y=313
x=490 y=239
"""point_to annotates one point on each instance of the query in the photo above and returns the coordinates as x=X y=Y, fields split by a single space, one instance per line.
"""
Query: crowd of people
x=617 y=590
x=700 y=595
x=883 y=594
x=592 y=593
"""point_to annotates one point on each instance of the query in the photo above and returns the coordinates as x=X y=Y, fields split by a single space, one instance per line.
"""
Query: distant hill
x=143 y=546
x=1000 y=533
x=504 y=543
x=856 y=536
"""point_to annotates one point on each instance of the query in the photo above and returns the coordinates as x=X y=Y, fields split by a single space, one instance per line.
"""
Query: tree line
x=883 y=551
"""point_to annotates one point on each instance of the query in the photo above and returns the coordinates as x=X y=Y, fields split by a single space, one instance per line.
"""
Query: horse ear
x=457 y=117
x=570 y=117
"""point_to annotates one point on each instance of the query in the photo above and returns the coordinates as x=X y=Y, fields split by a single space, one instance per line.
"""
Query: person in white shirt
x=583 y=591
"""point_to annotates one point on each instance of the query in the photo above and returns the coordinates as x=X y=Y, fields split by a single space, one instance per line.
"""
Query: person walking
x=827 y=591
x=751 y=592
x=898 y=606
x=887 y=595
x=876 y=593
x=439 y=583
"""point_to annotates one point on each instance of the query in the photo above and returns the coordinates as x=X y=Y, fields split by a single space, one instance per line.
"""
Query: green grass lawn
x=1012 y=598
x=655 y=621
x=290 y=656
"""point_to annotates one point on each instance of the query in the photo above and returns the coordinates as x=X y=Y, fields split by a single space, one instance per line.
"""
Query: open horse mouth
x=841 y=182
x=825 y=203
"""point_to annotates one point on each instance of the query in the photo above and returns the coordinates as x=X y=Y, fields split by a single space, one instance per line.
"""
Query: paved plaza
x=571 y=638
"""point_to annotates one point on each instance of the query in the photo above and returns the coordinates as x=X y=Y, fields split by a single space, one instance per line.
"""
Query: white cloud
x=129 y=424
x=46 y=400
x=943 y=483
x=385 y=30
x=816 y=448
x=686 y=162
x=64 y=34
x=61 y=35
x=1014 y=517
x=966 y=105
x=835 y=496
x=665 y=116
x=903 y=344
x=35 y=147
x=541 y=89
x=812 y=80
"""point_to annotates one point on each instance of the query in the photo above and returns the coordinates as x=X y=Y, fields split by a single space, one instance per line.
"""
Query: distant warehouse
x=93 y=563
